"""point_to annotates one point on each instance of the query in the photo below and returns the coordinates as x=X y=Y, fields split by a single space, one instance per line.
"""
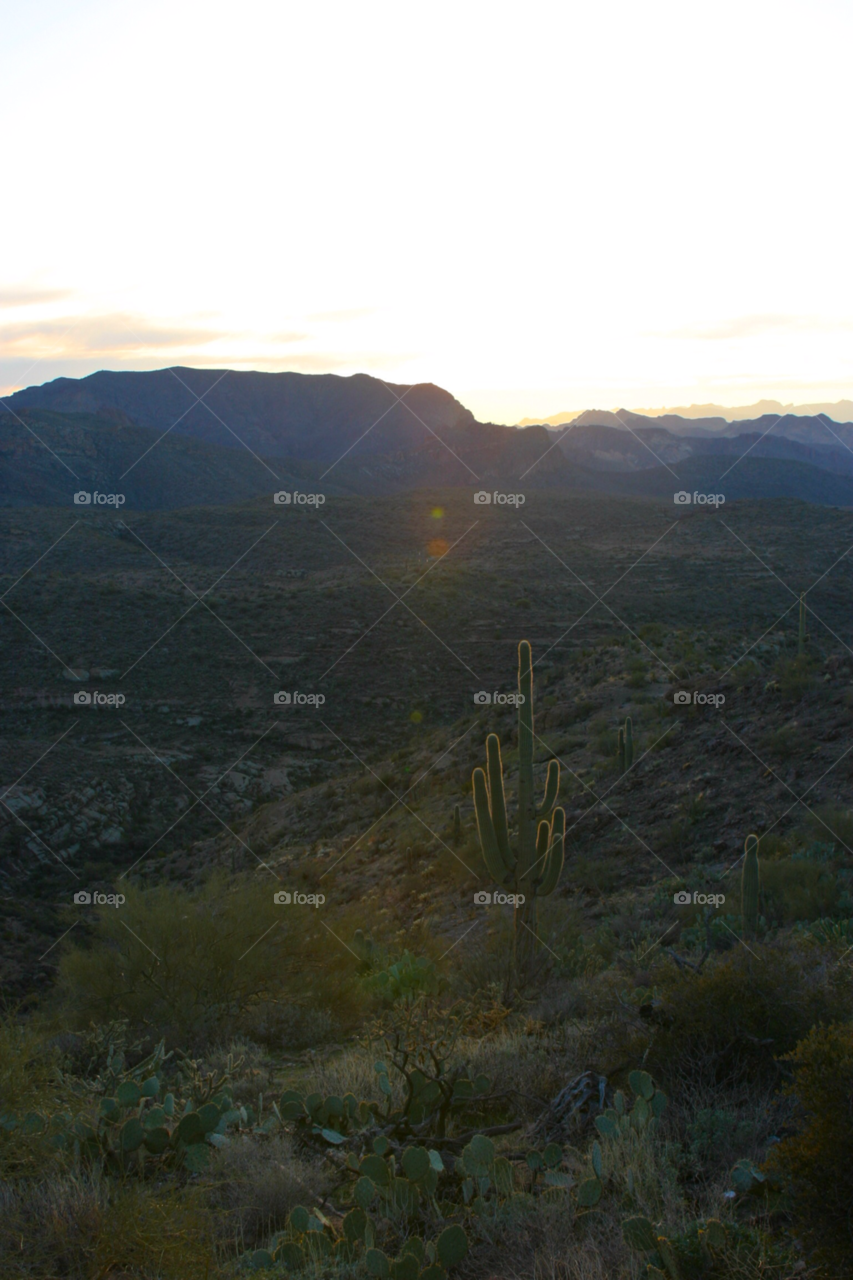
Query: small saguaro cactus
x=749 y=887
x=801 y=636
x=457 y=824
x=533 y=866
x=625 y=745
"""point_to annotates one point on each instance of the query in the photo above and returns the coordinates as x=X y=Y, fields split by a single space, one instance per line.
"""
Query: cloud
x=755 y=326
x=28 y=296
x=336 y=317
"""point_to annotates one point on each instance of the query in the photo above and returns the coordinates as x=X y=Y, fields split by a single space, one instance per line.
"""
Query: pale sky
x=538 y=206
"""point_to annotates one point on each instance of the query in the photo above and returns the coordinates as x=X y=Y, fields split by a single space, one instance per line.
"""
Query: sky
x=540 y=207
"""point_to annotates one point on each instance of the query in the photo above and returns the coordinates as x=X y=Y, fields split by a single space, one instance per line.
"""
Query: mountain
x=840 y=411
x=292 y=415
x=183 y=437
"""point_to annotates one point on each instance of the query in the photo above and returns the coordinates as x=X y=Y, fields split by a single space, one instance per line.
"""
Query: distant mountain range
x=840 y=411
x=181 y=437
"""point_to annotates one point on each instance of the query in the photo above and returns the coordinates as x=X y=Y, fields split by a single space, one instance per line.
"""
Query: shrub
x=78 y=1227
x=816 y=1165
x=745 y=1009
x=201 y=965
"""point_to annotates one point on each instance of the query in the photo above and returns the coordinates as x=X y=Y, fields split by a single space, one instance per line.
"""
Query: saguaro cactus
x=749 y=887
x=801 y=635
x=532 y=867
x=457 y=824
x=625 y=745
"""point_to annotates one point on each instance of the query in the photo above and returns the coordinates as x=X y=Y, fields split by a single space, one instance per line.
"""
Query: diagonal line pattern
x=198 y=800
x=790 y=790
x=213 y=812
x=751 y=447
x=551 y=446
x=425 y=773
x=199 y=599
x=400 y=600
x=399 y=800
x=397 y=600
x=221 y=421
x=198 y=400
x=600 y=599
x=41 y=557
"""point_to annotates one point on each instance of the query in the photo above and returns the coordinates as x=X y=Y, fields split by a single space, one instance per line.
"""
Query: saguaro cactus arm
x=488 y=840
x=552 y=786
x=749 y=886
x=497 y=799
x=526 y=804
x=556 y=854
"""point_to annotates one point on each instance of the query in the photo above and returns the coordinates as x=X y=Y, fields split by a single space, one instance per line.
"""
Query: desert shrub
x=833 y=824
x=745 y=1009
x=257 y=1184
x=597 y=875
x=797 y=889
x=716 y=1137
x=30 y=1084
x=79 y=1227
x=200 y=965
x=815 y=1165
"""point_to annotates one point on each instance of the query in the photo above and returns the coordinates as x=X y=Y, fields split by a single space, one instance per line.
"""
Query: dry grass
x=80 y=1228
x=256 y=1184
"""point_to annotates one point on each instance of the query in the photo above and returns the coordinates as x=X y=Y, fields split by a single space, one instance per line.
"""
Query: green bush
x=816 y=1166
x=200 y=966
x=745 y=1009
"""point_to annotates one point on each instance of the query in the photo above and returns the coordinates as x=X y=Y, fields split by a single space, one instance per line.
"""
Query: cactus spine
x=801 y=638
x=749 y=887
x=533 y=867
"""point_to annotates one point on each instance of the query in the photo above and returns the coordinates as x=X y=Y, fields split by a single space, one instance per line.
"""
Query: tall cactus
x=533 y=866
x=625 y=745
x=749 y=887
x=457 y=824
x=801 y=635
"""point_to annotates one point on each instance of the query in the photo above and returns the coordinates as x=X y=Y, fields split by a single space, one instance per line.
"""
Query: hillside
x=117 y=433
